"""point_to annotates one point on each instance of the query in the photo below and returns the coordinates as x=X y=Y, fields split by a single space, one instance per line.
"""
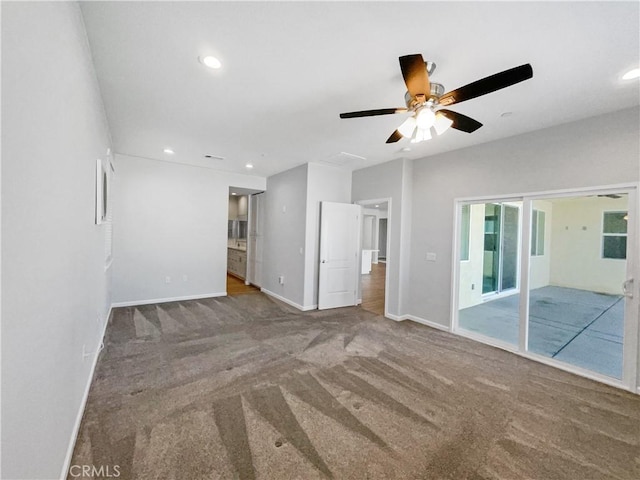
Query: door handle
x=627 y=288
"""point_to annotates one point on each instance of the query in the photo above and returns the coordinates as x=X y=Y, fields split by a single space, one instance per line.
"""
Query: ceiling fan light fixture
x=211 y=62
x=442 y=124
x=425 y=118
x=421 y=135
x=407 y=127
x=631 y=74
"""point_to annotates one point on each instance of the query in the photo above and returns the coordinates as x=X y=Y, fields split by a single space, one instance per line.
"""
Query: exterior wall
x=540 y=265
x=576 y=247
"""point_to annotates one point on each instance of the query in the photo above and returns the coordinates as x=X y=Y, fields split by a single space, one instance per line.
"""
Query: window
x=537 y=233
x=465 y=225
x=614 y=235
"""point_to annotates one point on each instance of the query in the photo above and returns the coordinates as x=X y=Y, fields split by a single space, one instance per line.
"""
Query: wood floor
x=235 y=286
x=373 y=289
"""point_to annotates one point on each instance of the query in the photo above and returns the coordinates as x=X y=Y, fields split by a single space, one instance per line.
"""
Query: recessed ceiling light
x=405 y=149
x=506 y=114
x=168 y=151
x=377 y=206
x=211 y=62
x=249 y=166
x=233 y=193
x=631 y=74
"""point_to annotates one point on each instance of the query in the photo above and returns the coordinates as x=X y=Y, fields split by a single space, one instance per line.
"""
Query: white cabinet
x=237 y=262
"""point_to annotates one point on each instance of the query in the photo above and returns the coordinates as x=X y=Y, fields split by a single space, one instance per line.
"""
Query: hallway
x=372 y=286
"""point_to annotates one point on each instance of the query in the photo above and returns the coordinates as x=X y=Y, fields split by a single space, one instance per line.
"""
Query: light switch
x=431 y=257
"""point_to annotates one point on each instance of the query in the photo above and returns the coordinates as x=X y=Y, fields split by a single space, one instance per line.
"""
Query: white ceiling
x=290 y=68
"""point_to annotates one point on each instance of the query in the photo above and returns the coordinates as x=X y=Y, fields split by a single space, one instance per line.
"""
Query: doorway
x=242 y=244
x=374 y=252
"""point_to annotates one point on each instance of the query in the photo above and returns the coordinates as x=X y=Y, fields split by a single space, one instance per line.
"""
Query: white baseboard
x=413 y=318
x=289 y=302
x=170 y=299
x=426 y=322
x=83 y=403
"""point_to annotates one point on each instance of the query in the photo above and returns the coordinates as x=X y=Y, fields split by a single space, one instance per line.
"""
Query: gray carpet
x=245 y=387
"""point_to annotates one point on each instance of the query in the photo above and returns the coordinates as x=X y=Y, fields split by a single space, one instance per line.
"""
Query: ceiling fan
x=424 y=99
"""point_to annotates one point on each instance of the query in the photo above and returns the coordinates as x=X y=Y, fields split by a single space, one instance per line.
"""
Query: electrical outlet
x=281 y=280
x=431 y=257
x=185 y=278
x=473 y=286
x=167 y=279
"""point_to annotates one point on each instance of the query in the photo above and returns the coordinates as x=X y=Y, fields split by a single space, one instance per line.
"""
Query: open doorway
x=373 y=255
x=242 y=241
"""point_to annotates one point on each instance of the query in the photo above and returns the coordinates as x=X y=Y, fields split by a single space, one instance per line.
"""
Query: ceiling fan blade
x=395 y=136
x=460 y=122
x=415 y=75
x=488 y=85
x=373 y=113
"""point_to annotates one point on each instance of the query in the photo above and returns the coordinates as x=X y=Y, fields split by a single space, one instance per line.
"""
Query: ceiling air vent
x=341 y=159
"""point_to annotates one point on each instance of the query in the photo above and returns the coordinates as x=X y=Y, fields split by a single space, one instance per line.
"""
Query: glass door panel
x=491 y=257
x=577 y=267
x=487 y=233
x=510 y=244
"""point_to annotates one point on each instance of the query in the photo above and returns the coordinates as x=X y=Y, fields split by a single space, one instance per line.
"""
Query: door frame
x=631 y=341
x=389 y=260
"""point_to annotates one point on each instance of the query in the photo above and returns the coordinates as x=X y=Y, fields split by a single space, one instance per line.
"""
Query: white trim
x=134 y=303
x=83 y=402
x=397 y=318
x=289 y=302
x=428 y=323
x=567 y=192
x=545 y=360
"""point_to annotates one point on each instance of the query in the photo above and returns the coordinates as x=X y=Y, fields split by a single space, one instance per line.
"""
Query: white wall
x=471 y=270
x=597 y=151
x=576 y=247
x=55 y=290
x=540 y=265
x=391 y=180
x=285 y=211
x=170 y=220
x=329 y=184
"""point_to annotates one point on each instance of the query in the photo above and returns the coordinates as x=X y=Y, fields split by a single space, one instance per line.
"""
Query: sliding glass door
x=577 y=268
x=571 y=253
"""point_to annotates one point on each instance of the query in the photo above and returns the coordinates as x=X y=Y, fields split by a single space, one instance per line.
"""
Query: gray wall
x=284 y=234
x=55 y=291
x=170 y=220
x=328 y=184
x=594 y=152
x=391 y=180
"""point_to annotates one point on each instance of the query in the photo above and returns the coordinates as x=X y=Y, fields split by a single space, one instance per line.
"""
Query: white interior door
x=339 y=244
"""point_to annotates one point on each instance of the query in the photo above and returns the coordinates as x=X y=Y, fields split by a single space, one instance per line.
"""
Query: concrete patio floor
x=578 y=327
